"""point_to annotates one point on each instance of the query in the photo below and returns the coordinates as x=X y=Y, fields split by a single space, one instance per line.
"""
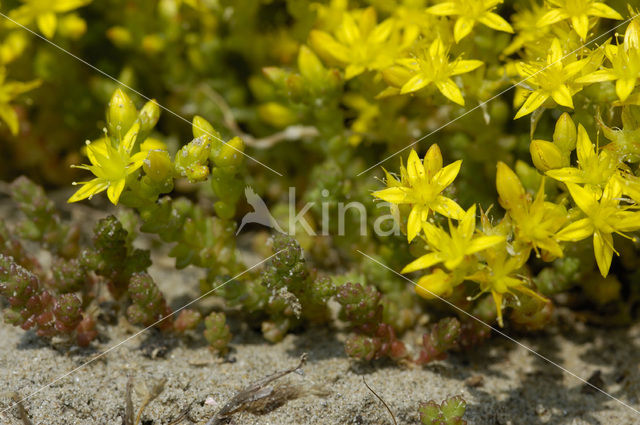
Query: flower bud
x=12 y=46
x=545 y=155
x=296 y=87
x=152 y=44
x=158 y=165
x=120 y=115
x=565 y=134
x=224 y=210
x=202 y=128
x=119 y=36
x=191 y=159
x=148 y=116
x=310 y=66
x=436 y=284
x=276 y=114
x=231 y=153
x=275 y=75
x=509 y=187
x=72 y=26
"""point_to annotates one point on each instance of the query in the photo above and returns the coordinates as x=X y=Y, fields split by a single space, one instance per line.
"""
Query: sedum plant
x=449 y=412
x=503 y=201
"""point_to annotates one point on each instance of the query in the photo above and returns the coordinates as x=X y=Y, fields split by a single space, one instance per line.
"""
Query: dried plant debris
x=393 y=417
x=147 y=395
x=261 y=396
x=128 y=403
x=22 y=412
x=184 y=414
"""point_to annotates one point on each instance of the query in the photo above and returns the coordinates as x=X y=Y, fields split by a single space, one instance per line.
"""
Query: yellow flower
x=594 y=169
x=44 y=13
x=604 y=216
x=412 y=16
x=451 y=249
x=329 y=16
x=625 y=63
x=367 y=115
x=551 y=79
x=578 y=11
x=421 y=186
x=359 y=44
x=438 y=283
x=111 y=166
x=535 y=221
x=8 y=91
x=525 y=23
x=469 y=12
x=433 y=66
x=501 y=276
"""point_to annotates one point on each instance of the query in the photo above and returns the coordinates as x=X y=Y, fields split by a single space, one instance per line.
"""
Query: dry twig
x=257 y=391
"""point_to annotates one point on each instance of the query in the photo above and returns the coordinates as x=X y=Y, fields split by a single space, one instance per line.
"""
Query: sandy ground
x=502 y=382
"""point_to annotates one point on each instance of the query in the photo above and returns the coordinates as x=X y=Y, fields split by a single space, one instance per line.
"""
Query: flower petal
x=576 y=231
x=581 y=25
x=464 y=66
x=483 y=242
x=451 y=91
x=10 y=117
x=114 y=191
x=47 y=23
x=395 y=195
x=130 y=138
x=584 y=148
x=432 y=161
x=597 y=77
x=415 y=83
x=551 y=17
x=603 y=11
x=562 y=96
x=567 y=175
x=497 y=299
x=624 y=87
x=435 y=236
x=414 y=222
x=495 y=21
x=415 y=169
x=467 y=225
x=443 y=9
x=533 y=102
x=628 y=221
x=583 y=198
x=447 y=175
x=603 y=250
x=328 y=48
x=462 y=28
x=434 y=285
x=89 y=189
x=423 y=262
x=448 y=208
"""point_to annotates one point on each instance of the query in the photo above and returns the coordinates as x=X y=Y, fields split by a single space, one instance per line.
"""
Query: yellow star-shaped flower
x=578 y=11
x=604 y=216
x=469 y=12
x=550 y=79
x=421 y=186
x=44 y=13
x=433 y=67
x=111 y=166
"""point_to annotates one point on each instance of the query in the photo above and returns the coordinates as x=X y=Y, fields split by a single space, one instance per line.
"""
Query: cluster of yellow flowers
x=410 y=50
x=598 y=196
x=44 y=14
x=605 y=200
